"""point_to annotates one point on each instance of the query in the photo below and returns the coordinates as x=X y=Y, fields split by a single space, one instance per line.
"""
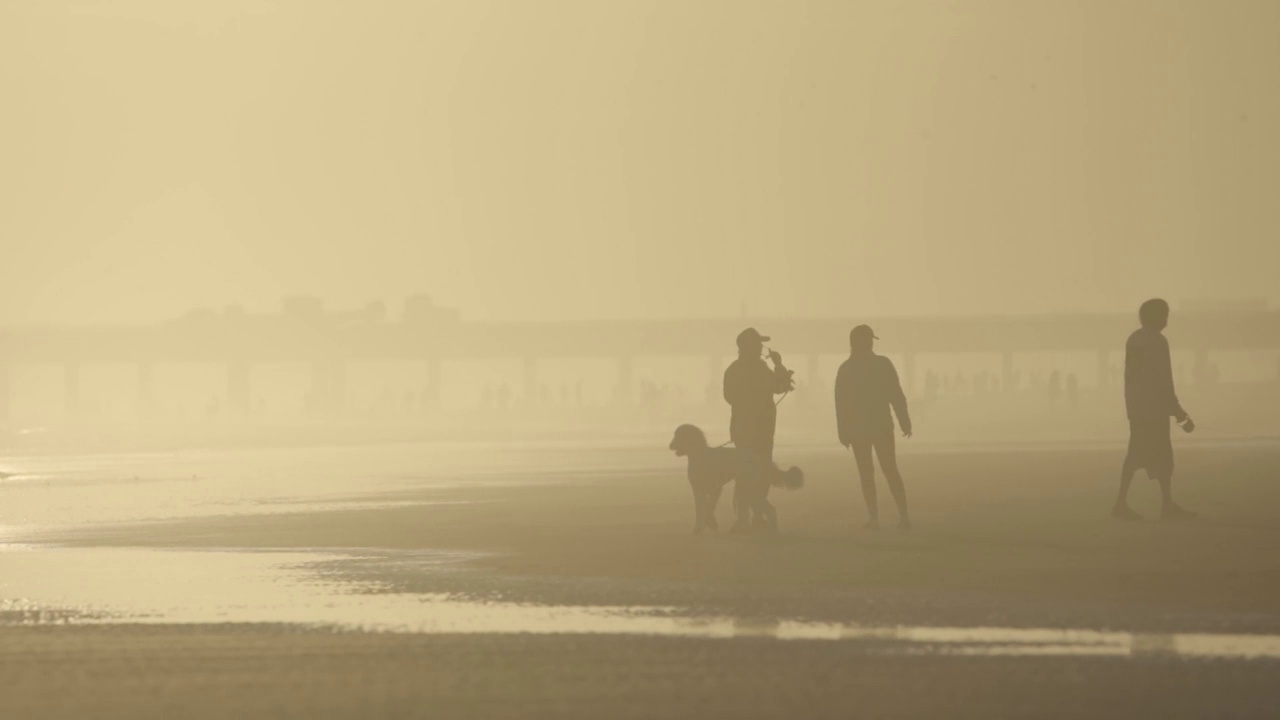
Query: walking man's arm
x=1164 y=365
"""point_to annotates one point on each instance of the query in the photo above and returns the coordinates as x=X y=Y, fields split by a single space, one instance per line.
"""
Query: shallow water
x=51 y=585
x=47 y=492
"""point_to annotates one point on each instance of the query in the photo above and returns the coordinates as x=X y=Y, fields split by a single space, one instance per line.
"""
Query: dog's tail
x=792 y=478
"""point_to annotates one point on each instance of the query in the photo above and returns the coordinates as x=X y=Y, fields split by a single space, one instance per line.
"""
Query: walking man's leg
x=867 y=476
x=1170 y=510
x=766 y=516
x=1121 y=510
x=886 y=451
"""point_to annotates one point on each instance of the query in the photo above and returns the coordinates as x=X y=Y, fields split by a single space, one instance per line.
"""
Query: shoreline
x=825 y=621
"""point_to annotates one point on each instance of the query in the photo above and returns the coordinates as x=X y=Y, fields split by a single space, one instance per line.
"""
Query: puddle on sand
x=47 y=585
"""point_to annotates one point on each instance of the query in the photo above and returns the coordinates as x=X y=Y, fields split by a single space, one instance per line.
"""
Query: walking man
x=749 y=387
x=1150 y=401
x=866 y=388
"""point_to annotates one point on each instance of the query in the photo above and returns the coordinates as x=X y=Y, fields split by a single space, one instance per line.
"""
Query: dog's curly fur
x=710 y=469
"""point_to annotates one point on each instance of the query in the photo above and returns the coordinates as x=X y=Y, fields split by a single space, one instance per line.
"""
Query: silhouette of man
x=867 y=387
x=749 y=387
x=1150 y=401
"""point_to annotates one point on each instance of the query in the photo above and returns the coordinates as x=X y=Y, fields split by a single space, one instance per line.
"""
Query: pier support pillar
x=1006 y=371
x=715 y=375
x=239 y=387
x=909 y=374
x=337 y=385
x=71 y=388
x=146 y=392
x=328 y=385
x=1200 y=367
x=811 y=382
x=431 y=397
x=531 y=391
x=622 y=391
x=6 y=393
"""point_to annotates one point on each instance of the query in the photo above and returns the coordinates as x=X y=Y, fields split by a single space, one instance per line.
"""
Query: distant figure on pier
x=749 y=387
x=867 y=386
x=1055 y=388
x=1150 y=401
x=930 y=388
x=1073 y=390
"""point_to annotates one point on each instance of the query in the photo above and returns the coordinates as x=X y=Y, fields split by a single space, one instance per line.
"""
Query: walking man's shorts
x=1151 y=446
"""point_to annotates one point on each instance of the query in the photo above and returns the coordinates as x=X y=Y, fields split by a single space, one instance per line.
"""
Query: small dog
x=710 y=469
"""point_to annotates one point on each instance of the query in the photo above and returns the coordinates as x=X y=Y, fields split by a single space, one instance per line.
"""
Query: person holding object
x=866 y=388
x=1150 y=401
x=749 y=387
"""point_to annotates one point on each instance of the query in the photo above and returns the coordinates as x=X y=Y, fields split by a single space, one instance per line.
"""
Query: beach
x=547 y=580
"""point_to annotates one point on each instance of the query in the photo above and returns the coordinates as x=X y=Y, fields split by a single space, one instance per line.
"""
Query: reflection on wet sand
x=49 y=585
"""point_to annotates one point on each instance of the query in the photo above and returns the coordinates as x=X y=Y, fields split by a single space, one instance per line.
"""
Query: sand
x=1009 y=538
x=1006 y=533
x=219 y=672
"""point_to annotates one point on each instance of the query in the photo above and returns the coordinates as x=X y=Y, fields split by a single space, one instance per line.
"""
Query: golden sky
x=661 y=158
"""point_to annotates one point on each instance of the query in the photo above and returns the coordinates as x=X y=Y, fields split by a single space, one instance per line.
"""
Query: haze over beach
x=636 y=159
x=342 y=346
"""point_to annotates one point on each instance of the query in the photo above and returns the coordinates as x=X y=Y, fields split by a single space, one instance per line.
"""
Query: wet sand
x=1006 y=538
x=1012 y=539
x=230 y=671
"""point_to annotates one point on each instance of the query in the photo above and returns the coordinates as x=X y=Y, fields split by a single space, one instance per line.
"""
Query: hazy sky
x=625 y=158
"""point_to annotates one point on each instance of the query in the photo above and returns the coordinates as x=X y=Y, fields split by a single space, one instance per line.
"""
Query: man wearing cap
x=749 y=387
x=866 y=388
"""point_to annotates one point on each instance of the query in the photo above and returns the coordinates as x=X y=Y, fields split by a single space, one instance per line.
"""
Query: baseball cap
x=751 y=335
x=862 y=331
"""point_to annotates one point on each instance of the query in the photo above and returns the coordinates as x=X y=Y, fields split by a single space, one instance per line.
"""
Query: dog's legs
x=742 y=505
x=699 y=508
x=766 y=516
x=713 y=501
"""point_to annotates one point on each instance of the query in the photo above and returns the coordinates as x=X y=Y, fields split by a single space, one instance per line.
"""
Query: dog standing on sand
x=710 y=469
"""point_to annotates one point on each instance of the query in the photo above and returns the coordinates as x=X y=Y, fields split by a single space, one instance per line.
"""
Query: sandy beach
x=367 y=580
